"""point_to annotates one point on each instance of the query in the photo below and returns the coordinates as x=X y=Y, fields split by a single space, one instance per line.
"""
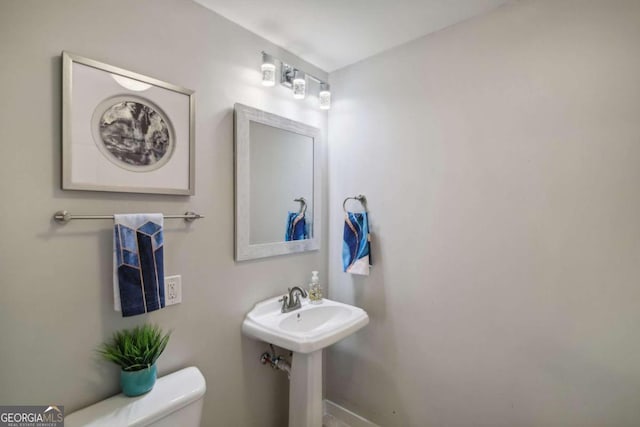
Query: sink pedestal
x=305 y=390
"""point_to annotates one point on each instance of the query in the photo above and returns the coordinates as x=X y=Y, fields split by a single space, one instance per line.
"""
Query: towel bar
x=63 y=217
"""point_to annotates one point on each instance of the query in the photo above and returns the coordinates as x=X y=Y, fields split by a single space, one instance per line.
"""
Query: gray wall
x=56 y=301
x=501 y=161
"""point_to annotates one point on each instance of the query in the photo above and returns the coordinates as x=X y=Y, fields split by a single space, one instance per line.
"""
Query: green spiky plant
x=135 y=349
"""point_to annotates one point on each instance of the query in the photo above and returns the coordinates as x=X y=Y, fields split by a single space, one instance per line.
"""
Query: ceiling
x=332 y=34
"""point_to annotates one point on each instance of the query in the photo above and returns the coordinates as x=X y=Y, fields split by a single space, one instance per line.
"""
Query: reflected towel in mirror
x=296 y=227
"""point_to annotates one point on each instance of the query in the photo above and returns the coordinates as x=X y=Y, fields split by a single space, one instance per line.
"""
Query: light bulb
x=268 y=70
x=299 y=84
x=324 y=96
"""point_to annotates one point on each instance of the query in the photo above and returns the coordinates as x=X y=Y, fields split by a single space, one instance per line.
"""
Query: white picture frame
x=125 y=132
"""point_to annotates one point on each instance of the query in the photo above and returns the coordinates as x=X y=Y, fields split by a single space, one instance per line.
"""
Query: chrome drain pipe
x=276 y=362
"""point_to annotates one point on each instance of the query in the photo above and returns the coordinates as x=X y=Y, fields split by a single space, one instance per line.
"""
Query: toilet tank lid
x=170 y=393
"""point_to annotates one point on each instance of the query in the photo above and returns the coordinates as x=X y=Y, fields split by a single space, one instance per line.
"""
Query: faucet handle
x=285 y=303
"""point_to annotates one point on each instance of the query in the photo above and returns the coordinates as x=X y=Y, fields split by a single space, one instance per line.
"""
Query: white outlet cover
x=172 y=290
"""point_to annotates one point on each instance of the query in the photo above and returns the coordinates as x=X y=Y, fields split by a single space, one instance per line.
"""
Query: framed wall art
x=125 y=132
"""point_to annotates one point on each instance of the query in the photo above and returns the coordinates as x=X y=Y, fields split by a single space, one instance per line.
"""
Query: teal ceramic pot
x=138 y=382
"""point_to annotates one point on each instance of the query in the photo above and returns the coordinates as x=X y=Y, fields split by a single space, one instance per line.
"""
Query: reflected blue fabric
x=296 y=227
x=140 y=267
x=355 y=244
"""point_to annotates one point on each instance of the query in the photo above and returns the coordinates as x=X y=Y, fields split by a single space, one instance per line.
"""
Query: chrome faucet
x=292 y=301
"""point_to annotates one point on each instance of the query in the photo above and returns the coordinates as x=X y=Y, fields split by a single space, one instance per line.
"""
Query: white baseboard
x=346 y=416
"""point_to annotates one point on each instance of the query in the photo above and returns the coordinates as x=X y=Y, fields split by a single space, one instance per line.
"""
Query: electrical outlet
x=172 y=290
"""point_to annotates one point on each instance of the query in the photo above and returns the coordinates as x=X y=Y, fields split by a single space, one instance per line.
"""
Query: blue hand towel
x=138 y=266
x=356 y=257
x=296 y=227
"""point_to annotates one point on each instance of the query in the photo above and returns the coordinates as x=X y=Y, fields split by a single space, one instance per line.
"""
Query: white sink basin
x=307 y=329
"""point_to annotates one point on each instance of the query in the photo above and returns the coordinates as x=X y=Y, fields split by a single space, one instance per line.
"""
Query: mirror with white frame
x=277 y=185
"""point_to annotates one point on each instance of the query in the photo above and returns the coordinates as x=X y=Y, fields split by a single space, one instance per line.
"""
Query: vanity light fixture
x=268 y=70
x=293 y=78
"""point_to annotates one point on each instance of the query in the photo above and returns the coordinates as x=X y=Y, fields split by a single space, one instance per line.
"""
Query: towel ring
x=361 y=198
x=303 y=205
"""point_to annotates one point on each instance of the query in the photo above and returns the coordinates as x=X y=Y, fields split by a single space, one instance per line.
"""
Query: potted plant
x=136 y=351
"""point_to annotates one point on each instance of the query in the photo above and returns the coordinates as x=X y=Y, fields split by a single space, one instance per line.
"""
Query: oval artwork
x=136 y=135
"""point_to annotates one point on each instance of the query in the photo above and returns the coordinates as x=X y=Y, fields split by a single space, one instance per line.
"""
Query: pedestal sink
x=305 y=331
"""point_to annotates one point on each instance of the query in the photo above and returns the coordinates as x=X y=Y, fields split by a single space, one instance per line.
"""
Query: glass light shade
x=299 y=85
x=324 y=97
x=268 y=68
x=268 y=74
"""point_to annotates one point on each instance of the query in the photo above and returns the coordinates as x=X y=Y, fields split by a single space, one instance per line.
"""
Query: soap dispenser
x=315 y=290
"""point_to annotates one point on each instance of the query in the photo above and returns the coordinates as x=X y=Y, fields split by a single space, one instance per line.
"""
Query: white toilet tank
x=175 y=400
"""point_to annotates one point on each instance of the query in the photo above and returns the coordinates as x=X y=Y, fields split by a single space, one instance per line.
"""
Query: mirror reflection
x=281 y=185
